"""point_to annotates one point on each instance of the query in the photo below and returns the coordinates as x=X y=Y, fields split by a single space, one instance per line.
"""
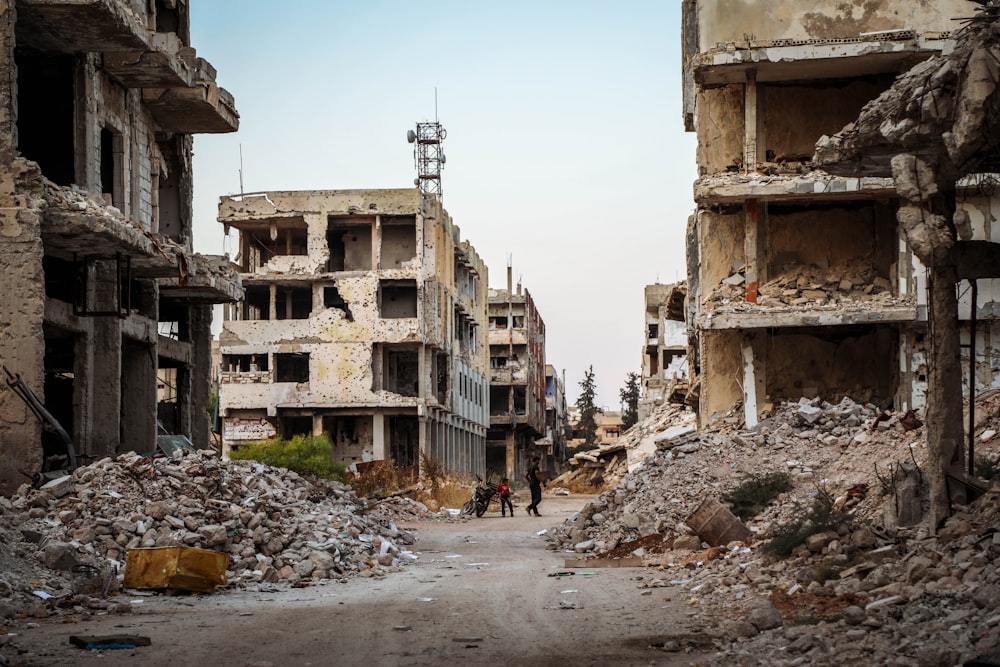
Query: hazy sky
x=565 y=152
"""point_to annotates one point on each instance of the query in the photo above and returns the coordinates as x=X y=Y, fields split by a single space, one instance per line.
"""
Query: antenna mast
x=428 y=155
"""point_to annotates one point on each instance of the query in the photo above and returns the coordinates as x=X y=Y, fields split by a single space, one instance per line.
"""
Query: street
x=479 y=591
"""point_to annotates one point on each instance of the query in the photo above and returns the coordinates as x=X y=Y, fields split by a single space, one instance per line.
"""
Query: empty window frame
x=350 y=244
x=286 y=237
x=399 y=241
x=293 y=303
x=291 y=367
x=113 y=167
x=46 y=113
x=397 y=299
x=401 y=371
x=244 y=363
x=257 y=302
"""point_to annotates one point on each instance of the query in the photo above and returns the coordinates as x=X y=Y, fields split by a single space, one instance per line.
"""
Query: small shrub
x=311 y=454
x=757 y=490
x=818 y=518
x=986 y=468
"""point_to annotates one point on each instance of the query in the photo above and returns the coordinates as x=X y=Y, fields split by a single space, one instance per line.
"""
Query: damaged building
x=106 y=312
x=517 y=382
x=802 y=282
x=556 y=417
x=664 y=354
x=364 y=319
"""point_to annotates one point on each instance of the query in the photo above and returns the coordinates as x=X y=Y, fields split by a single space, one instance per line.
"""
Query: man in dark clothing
x=535 y=485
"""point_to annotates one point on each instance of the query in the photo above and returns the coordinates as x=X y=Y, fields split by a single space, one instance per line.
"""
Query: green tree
x=585 y=403
x=630 y=400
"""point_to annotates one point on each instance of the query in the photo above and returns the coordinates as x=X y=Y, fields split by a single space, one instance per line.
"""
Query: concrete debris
x=275 y=525
x=870 y=592
x=855 y=285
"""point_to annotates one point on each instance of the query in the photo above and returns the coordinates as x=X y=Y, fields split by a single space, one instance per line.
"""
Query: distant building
x=105 y=310
x=517 y=381
x=664 y=354
x=364 y=319
x=609 y=427
x=556 y=417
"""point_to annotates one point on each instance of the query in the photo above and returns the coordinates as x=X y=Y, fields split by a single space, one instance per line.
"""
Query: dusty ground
x=480 y=591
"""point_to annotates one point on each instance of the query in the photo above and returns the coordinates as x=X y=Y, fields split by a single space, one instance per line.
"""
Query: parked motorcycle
x=482 y=496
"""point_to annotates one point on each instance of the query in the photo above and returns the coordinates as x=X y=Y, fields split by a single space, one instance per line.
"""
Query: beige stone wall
x=719 y=124
x=721 y=372
x=735 y=20
x=721 y=247
x=796 y=116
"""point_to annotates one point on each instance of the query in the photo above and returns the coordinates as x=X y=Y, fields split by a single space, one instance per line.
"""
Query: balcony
x=165 y=64
x=74 y=26
x=201 y=108
x=508 y=337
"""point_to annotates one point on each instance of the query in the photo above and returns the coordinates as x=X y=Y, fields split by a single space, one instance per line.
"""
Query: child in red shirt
x=504 y=492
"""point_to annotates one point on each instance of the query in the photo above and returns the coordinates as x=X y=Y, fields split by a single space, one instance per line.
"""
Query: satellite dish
x=443 y=159
x=411 y=136
x=416 y=181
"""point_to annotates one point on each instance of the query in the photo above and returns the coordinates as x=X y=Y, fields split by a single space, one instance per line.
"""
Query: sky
x=566 y=151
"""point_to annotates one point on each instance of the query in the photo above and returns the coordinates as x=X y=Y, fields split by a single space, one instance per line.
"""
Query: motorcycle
x=482 y=496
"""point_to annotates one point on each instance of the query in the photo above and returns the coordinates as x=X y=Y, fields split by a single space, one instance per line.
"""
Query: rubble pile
x=855 y=284
x=275 y=525
x=869 y=591
x=606 y=465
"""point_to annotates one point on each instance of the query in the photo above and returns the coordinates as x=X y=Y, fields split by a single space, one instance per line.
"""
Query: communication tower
x=428 y=156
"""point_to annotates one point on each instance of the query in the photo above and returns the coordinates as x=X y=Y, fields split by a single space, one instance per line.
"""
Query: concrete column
x=749 y=385
x=103 y=381
x=138 y=396
x=752 y=249
x=378 y=437
x=201 y=375
x=511 y=455
x=751 y=154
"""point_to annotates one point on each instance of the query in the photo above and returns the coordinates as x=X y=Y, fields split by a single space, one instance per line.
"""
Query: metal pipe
x=972 y=378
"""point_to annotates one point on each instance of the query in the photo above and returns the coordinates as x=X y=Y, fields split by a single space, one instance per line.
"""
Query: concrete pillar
x=749 y=385
x=138 y=396
x=378 y=437
x=511 y=455
x=751 y=106
x=104 y=387
x=200 y=373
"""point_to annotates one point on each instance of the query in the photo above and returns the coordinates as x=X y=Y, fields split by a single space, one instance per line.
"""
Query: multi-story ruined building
x=802 y=283
x=517 y=380
x=364 y=319
x=103 y=298
x=664 y=355
x=556 y=417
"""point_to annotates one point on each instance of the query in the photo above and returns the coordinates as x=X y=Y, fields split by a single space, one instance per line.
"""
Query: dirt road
x=479 y=592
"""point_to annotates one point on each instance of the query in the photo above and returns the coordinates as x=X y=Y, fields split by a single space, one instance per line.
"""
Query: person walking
x=534 y=485
x=504 y=492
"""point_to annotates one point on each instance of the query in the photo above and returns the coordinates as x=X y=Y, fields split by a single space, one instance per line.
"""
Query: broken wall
x=721 y=371
x=720 y=125
x=721 y=246
x=832 y=363
x=797 y=114
x=722 y=21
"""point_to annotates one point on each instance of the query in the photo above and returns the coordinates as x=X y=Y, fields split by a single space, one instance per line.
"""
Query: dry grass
x=435 y=487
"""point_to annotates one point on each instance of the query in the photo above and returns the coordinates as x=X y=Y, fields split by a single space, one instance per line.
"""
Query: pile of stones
x=275 y=525
x=867 y=591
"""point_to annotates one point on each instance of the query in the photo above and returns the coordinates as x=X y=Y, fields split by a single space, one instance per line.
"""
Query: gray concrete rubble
x=874 y=591
x=70 y=540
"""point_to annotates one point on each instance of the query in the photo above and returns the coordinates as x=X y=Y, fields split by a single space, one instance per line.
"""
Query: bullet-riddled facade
x=517 y=382
x=801 y=283
x=364 y=319
x=106 y=310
